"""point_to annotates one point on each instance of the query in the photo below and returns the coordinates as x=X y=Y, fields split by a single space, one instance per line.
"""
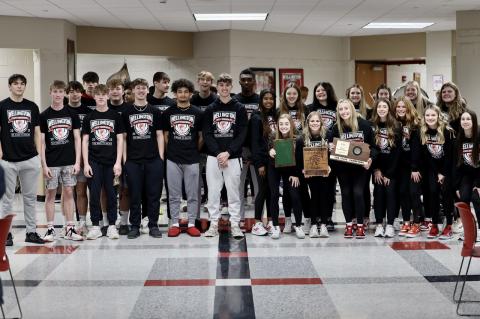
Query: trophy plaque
x=315 y=161
x=350 y=152
x=285 y=152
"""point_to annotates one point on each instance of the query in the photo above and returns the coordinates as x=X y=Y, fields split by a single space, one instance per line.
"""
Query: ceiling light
x=395 y=25
x=230 y=16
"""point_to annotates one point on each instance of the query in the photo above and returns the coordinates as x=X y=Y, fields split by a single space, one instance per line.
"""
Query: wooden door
x=370 y=76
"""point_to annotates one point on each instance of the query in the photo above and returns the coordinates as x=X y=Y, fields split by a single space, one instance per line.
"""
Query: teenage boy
x=90 y=81
x=159 y=98
x=181 y=126
x=102 y=146
x=74 y=92
x=144 y=159
x=60 y=153
x=250 y=101
x=224 y=129
x=19 y=149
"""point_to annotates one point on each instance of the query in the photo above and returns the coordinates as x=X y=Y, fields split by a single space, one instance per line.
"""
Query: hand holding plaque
x=351 y=152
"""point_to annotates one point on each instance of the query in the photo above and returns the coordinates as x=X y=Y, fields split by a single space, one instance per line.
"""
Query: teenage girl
x=413 y=92
x=452 y=104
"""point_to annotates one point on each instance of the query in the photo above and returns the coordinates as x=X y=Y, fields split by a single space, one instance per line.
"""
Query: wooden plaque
x=285 y=152
x=351 y=152
x=315 y=161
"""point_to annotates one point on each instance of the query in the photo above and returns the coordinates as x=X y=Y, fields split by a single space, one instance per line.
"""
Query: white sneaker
x=213 y=230
x=144 y=226
x=324 y=231
x=236 y=231
x=82 y=228
x=396 y=224
x=258 y=229
x=288 y=225
x=112 y=232
x=275 y=232
x=389 y=231
x=71 y=234
x=299 y=232
x=313 y=233
x=379 y=231
x=270 y=227
x=457 y=227
x=94 y=233
x=49 y=235
x=307 y=225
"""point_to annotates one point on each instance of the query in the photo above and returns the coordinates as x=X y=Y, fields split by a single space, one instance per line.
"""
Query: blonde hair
x=291 y=134
x=419 y=103
x=363 y=104
x=352 y=122
x=411 y=117
x=307 y=135
x=205 y=74
x=441 y=126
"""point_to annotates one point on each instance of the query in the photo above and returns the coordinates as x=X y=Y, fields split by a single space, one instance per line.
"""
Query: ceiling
x=315 y=17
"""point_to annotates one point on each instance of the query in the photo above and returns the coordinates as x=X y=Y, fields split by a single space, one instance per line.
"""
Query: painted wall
x=16 y=61
x=395 y=72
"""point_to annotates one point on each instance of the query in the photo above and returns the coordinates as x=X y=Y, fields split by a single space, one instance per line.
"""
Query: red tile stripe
x=224 y=254
x=180 y=282
x=418 y=245
x=46 y=250
x=286 y=281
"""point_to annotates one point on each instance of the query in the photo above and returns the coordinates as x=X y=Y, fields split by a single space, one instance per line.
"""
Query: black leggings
x=408 y=196
x=274 y=177
x=352 y=185
x=367 y=195
x=263 y=196
x=319 y=203
x=331 y=193
x=385 y=201
x=437 y=193
x=467 y=194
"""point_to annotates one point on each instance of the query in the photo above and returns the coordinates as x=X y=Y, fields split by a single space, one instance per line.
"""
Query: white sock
x=191 y=225
x=176 y=225
x=50 y=225
x=105 y=219
x=82 y=218
x=124 y=217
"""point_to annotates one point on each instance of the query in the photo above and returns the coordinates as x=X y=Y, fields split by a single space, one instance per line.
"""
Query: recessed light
x=399 y=25
x=230 y=16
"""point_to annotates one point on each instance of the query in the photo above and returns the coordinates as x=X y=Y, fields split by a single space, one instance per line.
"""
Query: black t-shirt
x=81 y=111
x=58 y=128
x=89 y=101
x=141 y=126
x=118 y=108
x=160 y=104
x=102 y=129
x=201 y=102
x=18 y=121
x=183 y=127
x=249 y=102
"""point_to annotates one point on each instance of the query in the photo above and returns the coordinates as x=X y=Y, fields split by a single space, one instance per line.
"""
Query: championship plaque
x=350 y=152
x=315 y=161
x=285 y=152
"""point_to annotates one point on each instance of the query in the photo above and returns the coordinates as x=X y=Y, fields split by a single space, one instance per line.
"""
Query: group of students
x=130 y=138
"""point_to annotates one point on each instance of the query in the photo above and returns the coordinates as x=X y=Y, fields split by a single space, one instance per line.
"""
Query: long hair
x=457 y=107
x=411 y=120
x=390 y=124
x=263 y=111
x=420 y=103
x=363 y=104
x=331 y=96
x=441 y=125
x=383 y=86
x=352 y=122
x=476 y=143
x=291 y=134
x=307 y=135
x=298 y=103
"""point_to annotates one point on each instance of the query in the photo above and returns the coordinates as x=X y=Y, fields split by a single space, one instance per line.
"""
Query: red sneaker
x=174 y=231
x=348 y=231
x=447 y=233
x=425 y=225
x=404 y=230
x=414 y=231
x=360 y=233
x=433 y=233
x=193 y=231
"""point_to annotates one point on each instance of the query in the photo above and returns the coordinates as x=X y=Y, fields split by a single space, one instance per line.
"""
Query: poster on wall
x=416 y=77
x=437 y=81
x=265 y=79
x=290 y=75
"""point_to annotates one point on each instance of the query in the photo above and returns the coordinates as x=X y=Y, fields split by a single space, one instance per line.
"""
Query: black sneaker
x=123 y=230
x=133 y=233
x=104 y=229
x=9 y=241
x=155 y=232
x=34 y=238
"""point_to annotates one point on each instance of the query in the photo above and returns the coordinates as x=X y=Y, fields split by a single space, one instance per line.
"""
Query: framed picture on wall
x=265 y=78
x=290 y=75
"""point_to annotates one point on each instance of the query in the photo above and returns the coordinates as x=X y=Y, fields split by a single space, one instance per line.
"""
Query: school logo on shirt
x=182 y=125
x=102 y=129
x=328 y=117
x=434 y=148
x=141 y=123
x=60 y=128
x=353 y=136
x=224 y=121
x=272 y=124
x=296 y=121
x=162 y=108
x=406 y=138
x=81 y=117
x=20 y=120
x=467 y=154
x=250 y=108
x=383 y=141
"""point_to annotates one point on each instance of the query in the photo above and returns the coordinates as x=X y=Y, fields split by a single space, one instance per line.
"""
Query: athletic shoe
x=174 y=231
x=288 y=225
x=258 y=229
x=457 y=227
x=34 y=238
x=389 y=231
x=104 y=230
x=213 y=230
x=404 y=230
x=155 y=232
x=379 y=231
x=94 y=233
x=425 y=225
x=123 y=230
x=313 y=233
x=72 y=234
x=307 y=225
x=324 y=231
x=414 y=231
x=348 y=231
x=9 y=241
x=269 y=227
x=236 y=231
x=330 y=225
x=144 y=226
x=112 y=232
x=299 y=232
x=433 y=232
x=447 y=233
x=82 y=228
x=193 y=231
x=396 y=224
x=134 y=232
x=275 y=232
x=49 y=235
x=360 y=233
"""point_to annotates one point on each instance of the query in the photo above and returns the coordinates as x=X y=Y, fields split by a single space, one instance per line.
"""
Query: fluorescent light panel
x=395 y=25
x=230 y=16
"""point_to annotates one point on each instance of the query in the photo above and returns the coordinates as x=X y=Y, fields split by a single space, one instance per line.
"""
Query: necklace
x=140 y=109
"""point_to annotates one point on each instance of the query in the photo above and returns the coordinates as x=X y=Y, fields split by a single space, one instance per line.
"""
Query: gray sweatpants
x=28 y=172
x=189 y=173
